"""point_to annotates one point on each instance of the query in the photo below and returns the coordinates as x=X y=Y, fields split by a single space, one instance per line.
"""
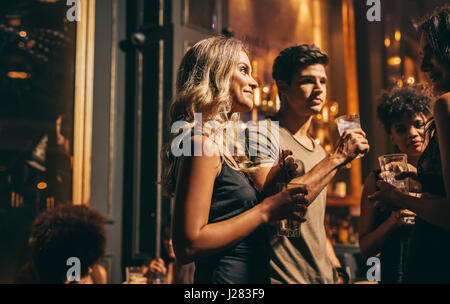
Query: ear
x=282 y=87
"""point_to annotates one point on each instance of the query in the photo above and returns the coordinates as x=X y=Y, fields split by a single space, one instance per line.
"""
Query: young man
x=300 y=75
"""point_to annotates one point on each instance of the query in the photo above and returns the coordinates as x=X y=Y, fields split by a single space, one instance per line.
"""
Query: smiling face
x=436 y=71
x=408 y=135
x=306 y=94
x=242 y=85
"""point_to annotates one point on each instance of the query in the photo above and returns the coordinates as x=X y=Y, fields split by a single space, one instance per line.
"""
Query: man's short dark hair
x=63 y=232
x=405 y=102
x=297 y=58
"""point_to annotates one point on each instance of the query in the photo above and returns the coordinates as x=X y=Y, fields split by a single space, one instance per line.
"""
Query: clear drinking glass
x=391 y=165
x=347 y=122
x=158 y=278
x=288 y=227
x=135 y=275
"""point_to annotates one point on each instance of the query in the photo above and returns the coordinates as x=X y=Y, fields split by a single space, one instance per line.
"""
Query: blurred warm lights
x=15 y=21
x=42 y=185
x=334 y=109
x=387 y=42
x=411 y=80
x=18 y=75
x=398 y=35
x=277 y=102
x=394 y=61
x=266 y=90
x=400 y=83
x=22 y=34
x=257 y=96
x=325 y=113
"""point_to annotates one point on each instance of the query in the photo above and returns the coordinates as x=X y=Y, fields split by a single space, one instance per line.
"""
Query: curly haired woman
x=430 y=240
x=403 y=113
x=59 y=234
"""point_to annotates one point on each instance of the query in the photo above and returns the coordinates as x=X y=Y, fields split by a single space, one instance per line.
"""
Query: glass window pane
x=37 y=71
x=201 y=14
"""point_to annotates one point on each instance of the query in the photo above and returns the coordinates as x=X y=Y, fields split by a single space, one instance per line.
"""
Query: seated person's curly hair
x=64 y=232
x=405 y=102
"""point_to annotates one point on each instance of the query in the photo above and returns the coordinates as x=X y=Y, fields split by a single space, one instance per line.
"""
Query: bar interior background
x=84 y=103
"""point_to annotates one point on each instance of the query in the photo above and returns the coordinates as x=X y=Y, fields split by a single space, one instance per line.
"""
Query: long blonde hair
x=203 y=86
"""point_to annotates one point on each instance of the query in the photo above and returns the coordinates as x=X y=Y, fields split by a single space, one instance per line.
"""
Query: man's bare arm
x=350 y=145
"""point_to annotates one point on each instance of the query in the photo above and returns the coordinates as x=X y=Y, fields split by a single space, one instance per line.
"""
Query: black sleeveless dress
x=430 y=245
x=246 y=262
x=395 y=249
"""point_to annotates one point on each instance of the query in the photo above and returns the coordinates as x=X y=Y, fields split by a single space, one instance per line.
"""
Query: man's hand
x=350 y=145
x=156 y=266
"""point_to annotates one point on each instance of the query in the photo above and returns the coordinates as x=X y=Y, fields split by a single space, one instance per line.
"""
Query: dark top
x=247 y=261
x=430 y=245
x=395 y=249
x=27 y=275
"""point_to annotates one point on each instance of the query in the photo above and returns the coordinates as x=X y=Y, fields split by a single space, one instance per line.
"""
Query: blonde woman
x=219 y=220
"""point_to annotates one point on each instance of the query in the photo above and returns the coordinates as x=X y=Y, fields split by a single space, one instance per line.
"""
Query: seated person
x=59 y=234
x=167 y=266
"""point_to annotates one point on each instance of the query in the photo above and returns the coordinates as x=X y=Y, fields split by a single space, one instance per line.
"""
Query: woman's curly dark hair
x=297 y=58
x=63 y=232
x=405 y=102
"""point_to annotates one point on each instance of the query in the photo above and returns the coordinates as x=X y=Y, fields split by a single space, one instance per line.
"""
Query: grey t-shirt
x=301 y=260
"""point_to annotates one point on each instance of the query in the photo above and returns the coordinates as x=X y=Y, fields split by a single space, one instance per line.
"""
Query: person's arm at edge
x=371 y=239
x=442 y=116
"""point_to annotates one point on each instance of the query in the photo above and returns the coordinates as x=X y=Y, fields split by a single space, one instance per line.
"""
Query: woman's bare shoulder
x=442 y=105
x=204 y=152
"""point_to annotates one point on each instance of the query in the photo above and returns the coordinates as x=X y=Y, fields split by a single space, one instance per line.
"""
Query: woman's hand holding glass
x=284 y=171
x=290 y=203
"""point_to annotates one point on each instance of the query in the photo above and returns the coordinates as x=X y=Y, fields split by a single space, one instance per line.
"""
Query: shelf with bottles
x=341 y=225
x=339 y=191
x=343 y=201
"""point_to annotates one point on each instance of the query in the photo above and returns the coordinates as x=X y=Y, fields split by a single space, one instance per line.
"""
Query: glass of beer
x=135 y=275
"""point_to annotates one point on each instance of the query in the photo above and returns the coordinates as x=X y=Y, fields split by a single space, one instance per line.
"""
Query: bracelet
x=343 y=273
